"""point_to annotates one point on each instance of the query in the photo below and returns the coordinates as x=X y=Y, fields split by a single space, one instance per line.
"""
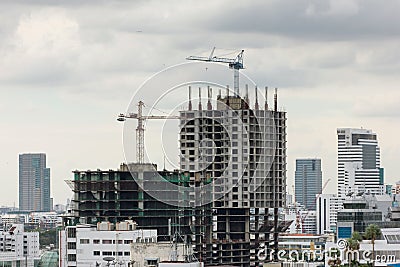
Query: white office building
x=328 y=206
x=19 y=248
x=358 y=162
x=88 y=245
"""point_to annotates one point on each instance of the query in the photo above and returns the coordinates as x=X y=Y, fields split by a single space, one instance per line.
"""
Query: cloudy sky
x=68 y=68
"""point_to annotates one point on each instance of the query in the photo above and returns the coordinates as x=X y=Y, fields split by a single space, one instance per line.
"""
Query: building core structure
x=241 y=152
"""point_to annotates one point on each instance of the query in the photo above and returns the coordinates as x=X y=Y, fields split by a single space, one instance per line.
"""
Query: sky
x=68 y=68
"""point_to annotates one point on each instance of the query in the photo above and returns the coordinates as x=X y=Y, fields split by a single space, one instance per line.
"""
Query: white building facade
x=328 y=206
x=88 y=245
x=19 y=248
x=358 y=162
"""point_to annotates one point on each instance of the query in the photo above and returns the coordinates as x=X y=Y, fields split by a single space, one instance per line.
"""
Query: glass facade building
x=34 y=183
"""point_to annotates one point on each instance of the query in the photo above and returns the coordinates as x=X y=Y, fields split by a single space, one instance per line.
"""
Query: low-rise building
x=88 y=245
x=19 y=248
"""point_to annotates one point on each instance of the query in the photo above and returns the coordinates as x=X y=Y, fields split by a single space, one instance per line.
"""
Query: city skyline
x=68 y=70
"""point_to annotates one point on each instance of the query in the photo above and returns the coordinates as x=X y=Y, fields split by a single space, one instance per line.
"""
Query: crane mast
x=234 y=63
x=140 y=128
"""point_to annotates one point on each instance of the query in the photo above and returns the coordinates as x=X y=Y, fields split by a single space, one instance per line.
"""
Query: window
x=71 y=257
x=71 y=245
x=84 y=241
x=107 y=241
x=71 y=232
x=96 y=241
x=127 y=253
x=127 y=242
x=96 y=253
x=107 y=253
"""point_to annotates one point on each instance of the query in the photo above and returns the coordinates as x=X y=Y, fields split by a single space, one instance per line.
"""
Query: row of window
x=111 y=253
x=105 y=241
x=72 y=257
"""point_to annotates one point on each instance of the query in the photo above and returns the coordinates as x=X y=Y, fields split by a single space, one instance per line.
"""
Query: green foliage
x=48 y=237
x=357 y=236
x=372 y=232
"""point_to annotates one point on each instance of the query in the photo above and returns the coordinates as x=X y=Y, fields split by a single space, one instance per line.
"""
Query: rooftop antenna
x=256 y=104
x=209 y=91
x=200 y=107
x=190 y=98
x=266 y=97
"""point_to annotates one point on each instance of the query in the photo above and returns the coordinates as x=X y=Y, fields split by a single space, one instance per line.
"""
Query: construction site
x=224 y=199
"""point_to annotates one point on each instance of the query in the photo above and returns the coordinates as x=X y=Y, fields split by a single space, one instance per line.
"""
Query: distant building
x=309 y=222
x=308 y=181
x=13 y=218
x=360 y=211
x=19 y=248
x=358 y=162
x=34 y=183
x=387 y=250
x=299 y=245
x=396 y=188
x=327 y=207
x=44 y=220
x=388 y=189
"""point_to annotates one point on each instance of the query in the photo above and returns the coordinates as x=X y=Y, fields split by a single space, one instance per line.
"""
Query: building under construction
x=226 y=196
x=243 y=150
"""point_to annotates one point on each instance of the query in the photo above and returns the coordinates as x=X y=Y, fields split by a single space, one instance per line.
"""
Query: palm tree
x=353 y=244
x=357 y=236
x=372 y=233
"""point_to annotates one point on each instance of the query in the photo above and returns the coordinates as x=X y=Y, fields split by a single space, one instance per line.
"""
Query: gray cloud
x=322 y=20
x=68 y=67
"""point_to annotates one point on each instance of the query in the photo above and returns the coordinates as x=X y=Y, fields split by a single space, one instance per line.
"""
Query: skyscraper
x=308 y=181
x=34 y=183
x=358 y=162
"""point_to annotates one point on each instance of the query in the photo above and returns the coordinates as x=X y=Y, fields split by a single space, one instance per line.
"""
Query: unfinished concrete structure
x=226 y=196
x=238 y=154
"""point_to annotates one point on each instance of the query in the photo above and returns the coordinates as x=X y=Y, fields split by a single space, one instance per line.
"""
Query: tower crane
x=234 y=63
x=140 y=127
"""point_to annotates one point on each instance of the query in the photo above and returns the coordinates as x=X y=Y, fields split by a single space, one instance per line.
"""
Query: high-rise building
x=308 y=181
x=34 y=183
x=358 y=162
x=242 y=151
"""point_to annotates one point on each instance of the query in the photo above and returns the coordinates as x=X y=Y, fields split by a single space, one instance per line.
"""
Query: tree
x=357 y=236
x=372 y=233
x=353 y=244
